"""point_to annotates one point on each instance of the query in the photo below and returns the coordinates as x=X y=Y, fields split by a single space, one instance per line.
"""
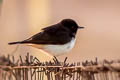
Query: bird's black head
x=71 y=25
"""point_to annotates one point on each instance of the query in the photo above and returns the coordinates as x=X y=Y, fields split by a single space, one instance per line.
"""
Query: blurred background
x=20 y=19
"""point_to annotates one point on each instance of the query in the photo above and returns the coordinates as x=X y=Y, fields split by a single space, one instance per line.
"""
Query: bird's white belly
x=57 y=50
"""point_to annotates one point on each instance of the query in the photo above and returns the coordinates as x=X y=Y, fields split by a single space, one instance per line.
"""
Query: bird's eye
x=72 y=27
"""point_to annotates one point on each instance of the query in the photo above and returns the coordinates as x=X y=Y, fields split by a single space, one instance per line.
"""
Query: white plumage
x=56 y=50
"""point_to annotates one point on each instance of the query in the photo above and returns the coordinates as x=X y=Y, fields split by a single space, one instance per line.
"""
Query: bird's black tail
x=12 y=43
x=19 y=42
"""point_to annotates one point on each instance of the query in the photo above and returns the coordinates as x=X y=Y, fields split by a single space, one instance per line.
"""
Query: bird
x=56 y=39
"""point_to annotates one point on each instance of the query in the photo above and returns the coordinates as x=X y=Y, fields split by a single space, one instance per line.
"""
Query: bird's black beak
x=79 y=27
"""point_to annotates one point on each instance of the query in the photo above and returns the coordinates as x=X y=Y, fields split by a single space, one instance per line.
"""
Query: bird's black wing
x=50 y=35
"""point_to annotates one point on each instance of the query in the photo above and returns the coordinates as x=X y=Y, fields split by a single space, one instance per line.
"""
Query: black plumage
x=60 y=33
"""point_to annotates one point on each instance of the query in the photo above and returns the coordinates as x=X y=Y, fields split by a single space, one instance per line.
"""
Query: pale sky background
x=20 y=19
